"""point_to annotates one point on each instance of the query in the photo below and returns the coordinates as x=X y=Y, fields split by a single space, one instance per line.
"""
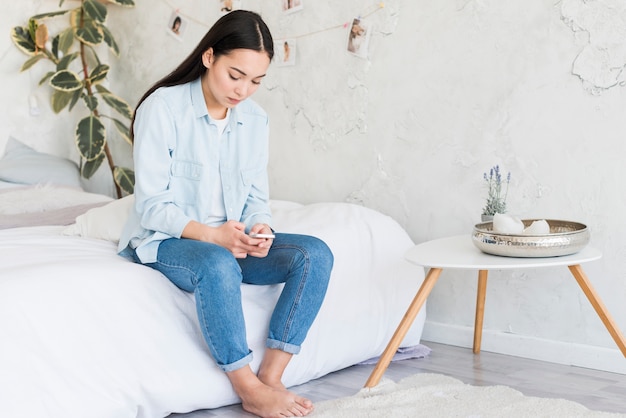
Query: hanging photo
x=285 y=50
x=227 y=6
x=358 y=38
x=177 y=25
x=290 y=6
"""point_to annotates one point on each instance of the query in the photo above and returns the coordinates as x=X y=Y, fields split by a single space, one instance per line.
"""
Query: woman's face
x=231 y=78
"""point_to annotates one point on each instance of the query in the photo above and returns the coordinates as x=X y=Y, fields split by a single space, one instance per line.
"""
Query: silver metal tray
x=565 y=238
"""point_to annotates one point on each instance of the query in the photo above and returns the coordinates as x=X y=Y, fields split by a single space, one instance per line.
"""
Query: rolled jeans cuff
x=283 y=346
x=236 y=365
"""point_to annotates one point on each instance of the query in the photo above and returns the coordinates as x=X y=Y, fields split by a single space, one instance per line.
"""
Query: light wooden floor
x=596 y=390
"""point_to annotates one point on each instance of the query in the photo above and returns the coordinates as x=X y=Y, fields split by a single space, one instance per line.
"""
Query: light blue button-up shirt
x=175 y=146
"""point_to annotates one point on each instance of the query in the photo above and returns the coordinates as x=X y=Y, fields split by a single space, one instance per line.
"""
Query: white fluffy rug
x=434 y=395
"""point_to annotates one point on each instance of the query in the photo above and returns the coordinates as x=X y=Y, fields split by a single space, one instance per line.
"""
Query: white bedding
x=85 y=333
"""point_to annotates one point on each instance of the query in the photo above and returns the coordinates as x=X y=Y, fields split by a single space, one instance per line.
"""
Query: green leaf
x=76 y=94
x=55 y=46
x=125 y=178
x=46 y=77
x=31 y=61
x=75 y=18
x=90 y=34
x=66 y=61
x=94 y=54
x=21 y=38
x=60 y=99
x=118 y=104
x=99 y=73
x=86 y=29
x=125 y=3
x=90 y=137
x=102 y=89
x=110 y=41
x=66 y=39
x=66 y=80
x=89 y=168
x=32 y=29
x=96 y=10
x=123 y=130
x=91 y=102
x=50 y=14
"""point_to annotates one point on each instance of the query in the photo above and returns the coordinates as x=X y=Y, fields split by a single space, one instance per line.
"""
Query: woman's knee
x=322 y=252
x=316 y=252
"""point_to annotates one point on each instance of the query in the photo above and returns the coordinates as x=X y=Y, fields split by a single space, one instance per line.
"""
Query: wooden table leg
x=480 y=309
x=597 y=304
x=403 y=327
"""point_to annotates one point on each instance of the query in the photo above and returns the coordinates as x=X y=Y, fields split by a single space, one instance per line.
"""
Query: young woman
x=201 y=191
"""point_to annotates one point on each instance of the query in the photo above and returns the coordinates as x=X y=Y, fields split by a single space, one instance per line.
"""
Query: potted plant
x=77 y=75
x=497 y=191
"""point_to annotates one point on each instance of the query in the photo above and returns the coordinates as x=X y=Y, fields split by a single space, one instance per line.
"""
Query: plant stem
x=107 y=151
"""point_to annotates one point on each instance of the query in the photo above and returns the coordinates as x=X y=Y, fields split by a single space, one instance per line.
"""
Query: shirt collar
x=197 y=99
x=199 y=105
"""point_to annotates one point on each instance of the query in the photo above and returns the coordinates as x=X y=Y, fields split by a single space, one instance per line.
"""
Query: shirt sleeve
x=154 y=140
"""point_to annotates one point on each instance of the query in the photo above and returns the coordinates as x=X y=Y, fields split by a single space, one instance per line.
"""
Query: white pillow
x=45 y=197
x=22 y=164
x=105 y=222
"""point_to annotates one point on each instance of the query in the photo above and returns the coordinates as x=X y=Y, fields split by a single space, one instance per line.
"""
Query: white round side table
x=458 y=252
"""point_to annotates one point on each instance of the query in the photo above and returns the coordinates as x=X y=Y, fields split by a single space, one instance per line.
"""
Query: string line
x=379 y=7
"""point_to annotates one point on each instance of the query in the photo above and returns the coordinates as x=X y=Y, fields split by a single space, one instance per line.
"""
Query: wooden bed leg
x=603 y=313
x=480 y=309
x=403 y=327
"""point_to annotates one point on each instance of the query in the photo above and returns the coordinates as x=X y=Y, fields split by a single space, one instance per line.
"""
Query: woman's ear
x=208 y=58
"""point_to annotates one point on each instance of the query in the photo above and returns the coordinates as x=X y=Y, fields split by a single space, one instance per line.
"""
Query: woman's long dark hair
x=239 y=29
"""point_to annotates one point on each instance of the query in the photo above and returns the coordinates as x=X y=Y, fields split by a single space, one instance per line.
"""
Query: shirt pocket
x=186 y=180
x=249 y=175
x=187 y=169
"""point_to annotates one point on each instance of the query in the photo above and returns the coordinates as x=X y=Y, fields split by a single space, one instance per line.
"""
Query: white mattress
x=86 y=333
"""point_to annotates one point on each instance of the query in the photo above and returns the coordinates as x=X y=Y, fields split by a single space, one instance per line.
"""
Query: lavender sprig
x=497 y=191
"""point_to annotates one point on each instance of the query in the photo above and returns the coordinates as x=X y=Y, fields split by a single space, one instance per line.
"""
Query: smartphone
x=256 y=235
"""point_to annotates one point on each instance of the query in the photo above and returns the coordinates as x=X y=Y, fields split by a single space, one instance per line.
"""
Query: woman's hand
x=261 y=245
x=232 y=236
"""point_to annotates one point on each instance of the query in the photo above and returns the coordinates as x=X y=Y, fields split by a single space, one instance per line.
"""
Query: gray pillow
x=22 y=164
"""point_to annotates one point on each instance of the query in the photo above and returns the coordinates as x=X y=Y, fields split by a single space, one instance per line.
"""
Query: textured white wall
x=449 y=89
x=50 y=134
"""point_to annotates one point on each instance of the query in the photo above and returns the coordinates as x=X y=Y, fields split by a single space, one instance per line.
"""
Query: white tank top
x=217 y=211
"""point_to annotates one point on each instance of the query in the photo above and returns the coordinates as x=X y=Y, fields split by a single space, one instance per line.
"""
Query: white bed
x=85 y=333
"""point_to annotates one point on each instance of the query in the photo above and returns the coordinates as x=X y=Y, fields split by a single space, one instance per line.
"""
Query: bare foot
x=269 y=402
x=266 y=401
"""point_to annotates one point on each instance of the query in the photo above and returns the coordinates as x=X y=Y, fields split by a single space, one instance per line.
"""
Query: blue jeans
x=214 y=275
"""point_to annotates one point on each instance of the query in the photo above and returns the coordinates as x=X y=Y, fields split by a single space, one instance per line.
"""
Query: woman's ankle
x=273 y=366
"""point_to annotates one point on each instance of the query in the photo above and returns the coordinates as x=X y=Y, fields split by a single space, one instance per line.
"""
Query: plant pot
x=486 y=218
